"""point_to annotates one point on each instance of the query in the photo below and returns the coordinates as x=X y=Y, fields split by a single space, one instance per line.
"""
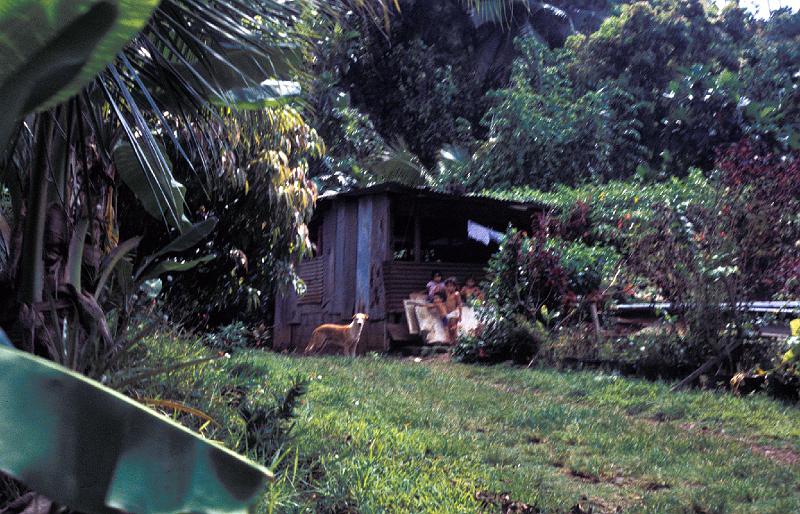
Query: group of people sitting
x=447 y=302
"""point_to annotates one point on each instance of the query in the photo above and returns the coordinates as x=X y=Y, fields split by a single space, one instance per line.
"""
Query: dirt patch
x=619 y=481
x=597 y=506
x=656 y=486
x=786 y=456
x=661 y=416
x=503 y=504
x=584 y=476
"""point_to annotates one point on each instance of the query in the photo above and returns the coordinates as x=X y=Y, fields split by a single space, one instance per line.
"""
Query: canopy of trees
x=539 y=95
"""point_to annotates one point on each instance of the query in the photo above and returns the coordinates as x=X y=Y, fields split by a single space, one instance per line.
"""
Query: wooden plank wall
x=281 y=330
x=328 y=253
x=312 y=272
x=345 y=259
x=335 y=273
x=363 y=253
x=379 y=252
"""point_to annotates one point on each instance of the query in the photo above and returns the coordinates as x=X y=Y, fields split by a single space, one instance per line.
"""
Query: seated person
x=434 y=285
x=453 y=305
x=471 y=291
x=439 y=306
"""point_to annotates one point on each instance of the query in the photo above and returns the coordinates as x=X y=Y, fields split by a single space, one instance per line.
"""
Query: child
x=453 y=305
x=434 y=285
x=471 y=291
x=439 y=305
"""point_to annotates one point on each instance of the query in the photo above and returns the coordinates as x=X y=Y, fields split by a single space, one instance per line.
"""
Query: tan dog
x=345 y=337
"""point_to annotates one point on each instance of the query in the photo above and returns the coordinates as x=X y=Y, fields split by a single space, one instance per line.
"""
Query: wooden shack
x=375 y=246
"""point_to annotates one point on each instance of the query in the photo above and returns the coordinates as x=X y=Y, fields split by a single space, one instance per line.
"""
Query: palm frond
x=398 y=164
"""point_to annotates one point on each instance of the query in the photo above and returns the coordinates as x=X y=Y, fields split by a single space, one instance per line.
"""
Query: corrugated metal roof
x=425 y=192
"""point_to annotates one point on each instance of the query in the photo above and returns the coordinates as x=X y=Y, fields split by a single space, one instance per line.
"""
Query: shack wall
x=354 y=271
x=331 y=276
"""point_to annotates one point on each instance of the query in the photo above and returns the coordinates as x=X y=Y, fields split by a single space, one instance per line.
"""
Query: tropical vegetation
x=160 y=163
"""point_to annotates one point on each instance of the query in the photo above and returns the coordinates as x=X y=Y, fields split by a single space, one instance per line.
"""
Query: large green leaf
x=111 y=261
x=90 y=448
x=190 y=238
x=160 y=194
x=75 y=253
x=169 y=266
x=269 y=93
x=50 y=49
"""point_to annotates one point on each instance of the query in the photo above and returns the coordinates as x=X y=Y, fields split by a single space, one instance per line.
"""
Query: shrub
x=525 y=284
x=607 y=213
x=587 y=267
x=783 y=380
x=524 y=276
x=263 y=198
x=228 y=338
x=710 y=257
x=760 y=211
x=501 y=339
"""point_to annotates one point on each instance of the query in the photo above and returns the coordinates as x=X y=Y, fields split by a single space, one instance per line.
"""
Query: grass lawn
x=400 y=436
x=383 y=435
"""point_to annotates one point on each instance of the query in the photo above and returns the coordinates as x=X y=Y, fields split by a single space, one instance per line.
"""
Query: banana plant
x=92 y=449
x=51 y=50
x=115 y=86
x=87 y=343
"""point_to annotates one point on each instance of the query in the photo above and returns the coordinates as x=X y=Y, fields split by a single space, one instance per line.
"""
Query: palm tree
x=492 y=25
x=105 y=94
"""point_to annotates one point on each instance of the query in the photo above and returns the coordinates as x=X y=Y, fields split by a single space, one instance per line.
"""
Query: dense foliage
x=262 y=197
x=653 y=90
x=704 y=243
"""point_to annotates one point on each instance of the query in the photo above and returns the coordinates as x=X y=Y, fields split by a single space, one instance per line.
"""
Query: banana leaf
x=94 y=450
x=169 y=266
x=50 y=49
x=160 y=194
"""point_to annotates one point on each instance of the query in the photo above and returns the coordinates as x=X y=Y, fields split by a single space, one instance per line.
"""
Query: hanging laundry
x=483 y=234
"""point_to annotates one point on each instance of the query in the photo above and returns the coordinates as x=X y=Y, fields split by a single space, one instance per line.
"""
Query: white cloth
x=483 y=234
x=410 y=307
x=430 y=326
x=424 y=322
x=469 y=321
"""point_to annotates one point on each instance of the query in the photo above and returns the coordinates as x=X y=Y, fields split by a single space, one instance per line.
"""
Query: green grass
x=381 y=435
x=411 y=437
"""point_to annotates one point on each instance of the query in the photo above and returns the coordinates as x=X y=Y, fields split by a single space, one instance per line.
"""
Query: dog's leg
x=324 y=343
x=312 y=344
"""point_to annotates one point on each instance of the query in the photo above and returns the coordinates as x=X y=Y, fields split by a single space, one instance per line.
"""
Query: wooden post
x=417 y=239
x=707 y=366
x=595 y=320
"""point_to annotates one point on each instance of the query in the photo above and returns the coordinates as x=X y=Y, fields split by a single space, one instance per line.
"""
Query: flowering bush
x=761 y=208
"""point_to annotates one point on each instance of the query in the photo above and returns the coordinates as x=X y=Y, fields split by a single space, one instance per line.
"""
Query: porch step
x=418 y=350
